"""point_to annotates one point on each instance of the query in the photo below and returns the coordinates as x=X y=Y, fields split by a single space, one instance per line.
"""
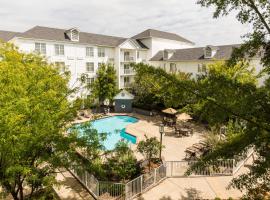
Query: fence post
x=155 y=176
x=86 y=179
x=98 y=188
x=126 y=196
x=141 y=183
x=171 y=168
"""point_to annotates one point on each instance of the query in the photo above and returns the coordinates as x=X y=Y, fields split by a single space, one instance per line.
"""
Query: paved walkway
x=70 y=188
x=195 y=188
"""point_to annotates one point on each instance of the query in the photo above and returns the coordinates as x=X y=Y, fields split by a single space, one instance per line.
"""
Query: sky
x=124 y=18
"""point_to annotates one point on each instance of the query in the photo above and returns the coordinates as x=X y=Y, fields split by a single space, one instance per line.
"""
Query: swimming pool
x=116 y=127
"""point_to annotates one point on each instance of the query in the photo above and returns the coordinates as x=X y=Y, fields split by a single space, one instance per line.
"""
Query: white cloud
x=123 y=18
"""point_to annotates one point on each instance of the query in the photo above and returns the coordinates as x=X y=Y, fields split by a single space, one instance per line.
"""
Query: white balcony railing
x=128 y=71
x=129 y=59
x=127 y=85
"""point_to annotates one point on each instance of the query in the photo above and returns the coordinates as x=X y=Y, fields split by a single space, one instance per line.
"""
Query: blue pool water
x=115 y=127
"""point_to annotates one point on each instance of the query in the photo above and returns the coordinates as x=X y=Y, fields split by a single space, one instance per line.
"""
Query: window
x=89 y=51
x=208 y=52
x=138 y=54
x=127 y=69
x=90 y=81
x=126 y=66
x=101 y=52
x=126 y=79
x=126 y=56
x=74 y=35
x=99 y=64
x=202 y=68
x=173 y=68
x=61 y=66
x=40 y=48
x=90 y=67
x=59 y=50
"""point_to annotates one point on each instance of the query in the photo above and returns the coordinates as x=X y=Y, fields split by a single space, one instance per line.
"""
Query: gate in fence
x=144 y=182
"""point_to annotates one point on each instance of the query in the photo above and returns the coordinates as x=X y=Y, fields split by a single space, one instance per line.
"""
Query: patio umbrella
x=169 y=111
x=184 y=117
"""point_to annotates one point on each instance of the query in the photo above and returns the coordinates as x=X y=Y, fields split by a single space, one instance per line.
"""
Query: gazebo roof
x=170 y=111
x=124 y=95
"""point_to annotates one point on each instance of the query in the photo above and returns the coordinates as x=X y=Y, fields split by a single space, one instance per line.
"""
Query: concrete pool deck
x=187 y=187
x=184 y=187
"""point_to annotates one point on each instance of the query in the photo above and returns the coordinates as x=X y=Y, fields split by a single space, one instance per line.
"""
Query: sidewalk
x=189 y=188
x=70 y=188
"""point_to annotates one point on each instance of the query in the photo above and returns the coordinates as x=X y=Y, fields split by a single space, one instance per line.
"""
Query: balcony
x=127 y=85
x=127 y=72
x=128 y=59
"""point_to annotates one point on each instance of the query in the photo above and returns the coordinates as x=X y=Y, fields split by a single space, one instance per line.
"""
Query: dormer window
x=208 y=52
x=167 y=54
x=73 y=34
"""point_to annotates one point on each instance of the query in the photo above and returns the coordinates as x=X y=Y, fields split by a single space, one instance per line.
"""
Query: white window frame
x=208 y=52
x=89 y=51
x=89 y=65
x=173 y=67
x=40 y=48
x=74 y=35
x=90 y=80
x=59 y=49
x=101 y=52
x=202 y=68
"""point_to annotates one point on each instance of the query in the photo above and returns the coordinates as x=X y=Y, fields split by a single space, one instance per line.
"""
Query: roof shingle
x=7 y=35
x=56 y=34
x=193 y=54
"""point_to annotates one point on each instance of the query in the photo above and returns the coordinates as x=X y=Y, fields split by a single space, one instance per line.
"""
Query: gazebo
x=123 y=102
x=169 y=117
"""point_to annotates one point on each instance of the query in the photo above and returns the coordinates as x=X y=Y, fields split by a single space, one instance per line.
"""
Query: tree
x=155 y=91
x=34 y=114
x=222 y=83
x=149 y=148
x=234 y=98
x=105 y=85
x=122 y=164
x=255 y=12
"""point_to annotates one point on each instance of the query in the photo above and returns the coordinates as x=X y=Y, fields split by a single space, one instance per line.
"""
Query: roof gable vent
x=73 y=34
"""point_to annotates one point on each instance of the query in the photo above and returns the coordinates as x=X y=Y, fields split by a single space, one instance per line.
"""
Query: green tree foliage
x=222 y=84
x=122 y=165
x=105 y=85
x=152 y=90
x=254 y=12
x=34 y=113
x=231 y=95
x=149 y=148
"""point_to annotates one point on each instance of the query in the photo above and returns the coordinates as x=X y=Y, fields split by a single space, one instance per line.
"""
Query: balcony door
x=126 y=55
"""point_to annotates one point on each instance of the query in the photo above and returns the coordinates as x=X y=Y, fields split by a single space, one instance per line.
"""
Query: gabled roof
x=192 y=54
x=56 y=34
x=136 y=43
x=124 y=95
x=7 y=35
x=160 y=34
